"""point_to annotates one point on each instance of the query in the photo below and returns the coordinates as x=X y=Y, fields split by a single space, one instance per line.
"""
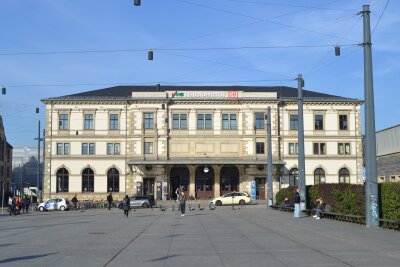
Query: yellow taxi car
x=236 y=198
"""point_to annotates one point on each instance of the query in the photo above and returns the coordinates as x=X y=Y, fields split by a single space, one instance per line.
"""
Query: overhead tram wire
x=256 y=18
x=329 y=52
x=380 y=17
x=224 y=64
x=295 y=6
x=240 y=26
x=139 y=84
x=168 y=49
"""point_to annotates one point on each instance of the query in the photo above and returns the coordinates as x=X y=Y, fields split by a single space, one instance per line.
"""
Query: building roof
x=125 y=92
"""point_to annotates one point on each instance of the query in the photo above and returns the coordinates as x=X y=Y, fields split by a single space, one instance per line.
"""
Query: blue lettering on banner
x=253 y=189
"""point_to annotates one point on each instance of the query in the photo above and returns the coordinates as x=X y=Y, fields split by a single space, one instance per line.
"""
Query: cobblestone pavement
x=249 y=236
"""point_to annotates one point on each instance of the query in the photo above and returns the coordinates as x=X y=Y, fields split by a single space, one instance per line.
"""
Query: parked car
x=138 y=202
x=54 y=204
x=237 y=198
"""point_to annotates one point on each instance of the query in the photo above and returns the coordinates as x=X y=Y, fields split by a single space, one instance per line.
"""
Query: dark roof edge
x=391 y=127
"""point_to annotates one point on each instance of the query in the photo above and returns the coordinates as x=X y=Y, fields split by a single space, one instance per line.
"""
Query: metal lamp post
x=301 y=159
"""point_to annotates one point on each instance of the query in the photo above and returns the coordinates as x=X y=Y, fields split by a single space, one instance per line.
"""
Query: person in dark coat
x=126 y=205
x=27 y=203
x=182 y=201
x=110 y=200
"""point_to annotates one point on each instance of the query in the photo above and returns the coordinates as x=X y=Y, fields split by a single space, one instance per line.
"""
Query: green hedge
x=349 y=198
x=390 y=201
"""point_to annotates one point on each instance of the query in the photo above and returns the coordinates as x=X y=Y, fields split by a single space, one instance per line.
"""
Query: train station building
x=210 y=140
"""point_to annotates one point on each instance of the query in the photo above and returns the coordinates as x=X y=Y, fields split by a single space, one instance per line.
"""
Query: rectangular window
x=109 y=148
x=183 y=118
x=113 y=148
x=293 y=148
x=343 y=122
x=319 y=148
x=91 y=149
x=117 y=149
x=148 y=120
x=319 y=122
x=85 y=149
x=344 y=148
x=63 y=122
x=148 y=148
x=204 y=121
x=89 y=122
x=179 y=121
x=66 y=149
x=294 y=122
x=208 y=122
x=259 y=121
x=260 y=149
x=229 y=121
x=175 y=121
x=59 y=148
x=88 y=148
x=113 y=121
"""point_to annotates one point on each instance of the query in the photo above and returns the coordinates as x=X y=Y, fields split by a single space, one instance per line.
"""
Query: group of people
x=319 y=206
x=18 y=205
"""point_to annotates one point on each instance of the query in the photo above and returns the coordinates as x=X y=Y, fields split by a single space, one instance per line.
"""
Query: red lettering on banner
x=233 y=94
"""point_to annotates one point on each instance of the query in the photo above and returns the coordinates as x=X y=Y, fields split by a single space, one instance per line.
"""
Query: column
x=192 y=180
x=217 y=180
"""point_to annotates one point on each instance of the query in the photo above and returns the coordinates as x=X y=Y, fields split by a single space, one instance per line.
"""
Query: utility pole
x=371 y=185
x=301 y=160
x=270 y=192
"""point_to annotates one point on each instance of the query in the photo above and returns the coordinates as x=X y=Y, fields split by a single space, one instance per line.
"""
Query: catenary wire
x=380 y=17
x=259 y=19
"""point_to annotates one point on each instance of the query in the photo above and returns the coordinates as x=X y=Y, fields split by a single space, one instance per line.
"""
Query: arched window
x=344 y=176
x=319 y=176
x=87 y=180
x=293 y=177
x=62 y=180
x=113 y=180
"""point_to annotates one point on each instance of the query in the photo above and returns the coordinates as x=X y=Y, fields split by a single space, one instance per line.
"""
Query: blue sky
x=171 y=26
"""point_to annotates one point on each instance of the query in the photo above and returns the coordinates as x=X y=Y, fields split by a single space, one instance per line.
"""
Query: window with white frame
x=204 y=121
x=293 y=148
x=88 y=148
x=113 y=148
x=148 y=120
x=148 y=147
x=318 y=122
x=179 y=121
x=229 y=121
x=63 y=122
x=63 y=149
x=344 y=148
x=114 y=122
x=259 y=120
x=294 y=122
x=343 y=123
x=319 y=148
x=89 y=122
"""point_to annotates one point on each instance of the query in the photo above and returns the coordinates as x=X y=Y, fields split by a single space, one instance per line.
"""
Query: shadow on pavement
x=164 y=258
x=25 y=258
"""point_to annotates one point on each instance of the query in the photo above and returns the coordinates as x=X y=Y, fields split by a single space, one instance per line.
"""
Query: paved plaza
x=251 y=236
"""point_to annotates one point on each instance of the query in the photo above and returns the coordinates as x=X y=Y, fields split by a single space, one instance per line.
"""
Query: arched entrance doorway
x=179 y=178
x=204 y=182
x=229 y=179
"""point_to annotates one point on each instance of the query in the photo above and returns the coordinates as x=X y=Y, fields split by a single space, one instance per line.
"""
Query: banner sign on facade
x=253 y=190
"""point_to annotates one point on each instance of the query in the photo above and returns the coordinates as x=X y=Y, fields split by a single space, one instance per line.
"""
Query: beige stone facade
x=137 y=140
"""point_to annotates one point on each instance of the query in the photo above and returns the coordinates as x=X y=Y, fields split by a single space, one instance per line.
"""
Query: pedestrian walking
x=11 y=205
x=151 y=201
x=297 y=203
x=126 y=206
x=182 y=202
x=110 y=200
x=27 y=203
x=74 y=201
